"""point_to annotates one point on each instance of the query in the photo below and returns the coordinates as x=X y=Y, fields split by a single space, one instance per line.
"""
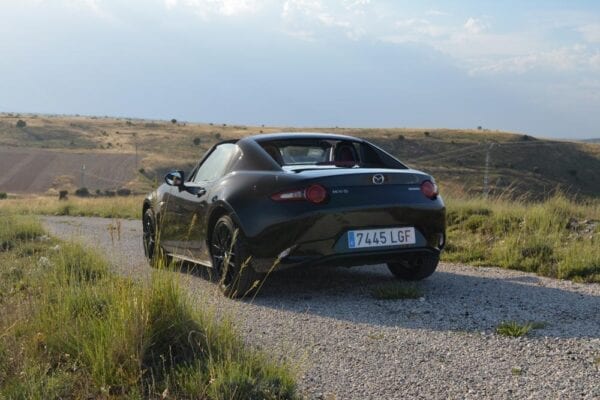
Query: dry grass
x=107 y=207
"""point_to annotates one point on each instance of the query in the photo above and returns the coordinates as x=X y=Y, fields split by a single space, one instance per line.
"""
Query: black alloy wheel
x=230 y=258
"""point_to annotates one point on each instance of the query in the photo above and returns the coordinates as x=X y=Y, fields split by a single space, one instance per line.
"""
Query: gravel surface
x=348 y=345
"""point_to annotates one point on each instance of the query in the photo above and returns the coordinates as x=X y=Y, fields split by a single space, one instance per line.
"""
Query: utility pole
x=486 y=188
x=136 y=149
x=136 y=155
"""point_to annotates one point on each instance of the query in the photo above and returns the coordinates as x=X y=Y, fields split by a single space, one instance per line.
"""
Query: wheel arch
x=218 y=210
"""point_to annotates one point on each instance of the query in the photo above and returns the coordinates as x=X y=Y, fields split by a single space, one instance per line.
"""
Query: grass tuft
x=397 y=291
x=516 y=329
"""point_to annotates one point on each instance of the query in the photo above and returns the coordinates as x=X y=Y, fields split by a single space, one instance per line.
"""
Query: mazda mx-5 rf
x=275 y=201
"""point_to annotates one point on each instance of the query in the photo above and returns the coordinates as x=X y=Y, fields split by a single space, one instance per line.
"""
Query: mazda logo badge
x=378 y=179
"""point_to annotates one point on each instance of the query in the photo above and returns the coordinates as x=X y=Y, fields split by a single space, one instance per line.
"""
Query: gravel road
x=348 y=345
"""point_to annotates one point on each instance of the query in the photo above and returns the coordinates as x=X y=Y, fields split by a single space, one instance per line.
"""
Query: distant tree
x=110 y=193
x=479 y=128
x=98 y=192
x=217 y=136
x=197 y=141
x=123 y=192
x=426 y=133
x=82 y=192
x=21 y=124
x=401 y=137
x=63 y=195
x=3 y=196
x=142 y=171
x=173 y=121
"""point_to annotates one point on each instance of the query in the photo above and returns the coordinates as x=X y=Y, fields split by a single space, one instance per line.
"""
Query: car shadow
x=457 y=301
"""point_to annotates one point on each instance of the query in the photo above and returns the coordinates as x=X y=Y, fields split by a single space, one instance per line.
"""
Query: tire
x=231 y=259
x=415 y=267
x=154 y=253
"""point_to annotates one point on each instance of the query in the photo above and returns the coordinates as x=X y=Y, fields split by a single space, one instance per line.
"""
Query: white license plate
x=381 y=237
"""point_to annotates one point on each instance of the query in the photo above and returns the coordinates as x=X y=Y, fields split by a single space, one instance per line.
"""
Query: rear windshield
x=321 y=153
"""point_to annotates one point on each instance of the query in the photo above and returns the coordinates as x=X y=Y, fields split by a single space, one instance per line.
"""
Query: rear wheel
x=231 y=259
x=414 y=268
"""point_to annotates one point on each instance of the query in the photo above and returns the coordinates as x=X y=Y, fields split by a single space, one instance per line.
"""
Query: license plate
x=381 y=237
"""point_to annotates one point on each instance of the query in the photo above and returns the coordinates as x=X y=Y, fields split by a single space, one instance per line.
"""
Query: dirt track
x=25 y=170
x=351 y=346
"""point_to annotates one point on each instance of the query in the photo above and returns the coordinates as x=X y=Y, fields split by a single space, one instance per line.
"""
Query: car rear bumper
x=322 y=238
x=342 y=259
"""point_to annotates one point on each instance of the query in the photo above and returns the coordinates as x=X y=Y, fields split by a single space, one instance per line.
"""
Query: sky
x=522 y=66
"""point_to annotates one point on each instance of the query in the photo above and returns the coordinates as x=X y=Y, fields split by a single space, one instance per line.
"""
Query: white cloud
x=301 y=16
x=205 y=8
x=436 y=13
x=420 y=26
x=564 y=59
x=591 y=33
x=475 y=26
x=96 y=7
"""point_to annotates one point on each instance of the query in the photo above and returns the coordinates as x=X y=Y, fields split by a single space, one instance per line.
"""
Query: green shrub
x=3 y=196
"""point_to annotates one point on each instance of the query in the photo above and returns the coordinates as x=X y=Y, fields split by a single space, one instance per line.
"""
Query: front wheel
x=152 y=249
x=414 y=267
x=231 y=259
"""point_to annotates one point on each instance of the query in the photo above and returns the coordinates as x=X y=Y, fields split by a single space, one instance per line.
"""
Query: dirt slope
x=27 y=170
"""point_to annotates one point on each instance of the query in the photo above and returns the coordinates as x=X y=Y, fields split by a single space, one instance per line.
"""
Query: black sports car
x=274 y=201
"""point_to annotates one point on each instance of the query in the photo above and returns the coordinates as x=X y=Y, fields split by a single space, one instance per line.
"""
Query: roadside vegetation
x=107 y=207
x=556 y=238
x=69 y=328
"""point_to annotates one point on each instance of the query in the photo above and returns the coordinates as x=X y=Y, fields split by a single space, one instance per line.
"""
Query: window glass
x=215 y=165
x=304 y=154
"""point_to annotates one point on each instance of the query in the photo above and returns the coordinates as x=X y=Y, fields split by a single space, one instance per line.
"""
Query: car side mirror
x=174 y=178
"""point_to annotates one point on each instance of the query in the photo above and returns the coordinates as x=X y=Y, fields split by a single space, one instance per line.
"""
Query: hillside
x=518 y=165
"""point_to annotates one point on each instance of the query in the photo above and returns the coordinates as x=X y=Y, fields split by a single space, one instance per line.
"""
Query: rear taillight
x=316 y=194
x=429 y=189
